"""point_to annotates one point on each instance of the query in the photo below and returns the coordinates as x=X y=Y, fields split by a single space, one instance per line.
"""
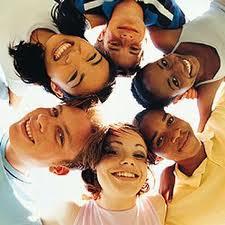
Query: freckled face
x=75 y=65
x=50 y=135
x=172 y=75
x=169 y=136
x=123 y=170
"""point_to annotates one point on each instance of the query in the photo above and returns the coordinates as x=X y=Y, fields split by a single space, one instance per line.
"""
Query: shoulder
x=159 y=205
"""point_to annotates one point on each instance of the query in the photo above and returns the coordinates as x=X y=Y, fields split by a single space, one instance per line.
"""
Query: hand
x=167 y=181
x=189 y=94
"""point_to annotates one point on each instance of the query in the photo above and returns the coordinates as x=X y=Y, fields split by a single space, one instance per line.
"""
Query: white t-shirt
x=208 y=29
x=18 y=18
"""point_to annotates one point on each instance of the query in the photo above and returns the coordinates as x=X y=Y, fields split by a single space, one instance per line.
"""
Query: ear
x=59 y=170
x=56 y=89
x=102 y=34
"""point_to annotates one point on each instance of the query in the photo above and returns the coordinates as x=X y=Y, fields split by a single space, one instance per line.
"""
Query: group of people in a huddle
x=49 y=49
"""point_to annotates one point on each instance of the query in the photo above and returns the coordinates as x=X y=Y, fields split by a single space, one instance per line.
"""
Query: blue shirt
x=165 y=15
x=16 y=204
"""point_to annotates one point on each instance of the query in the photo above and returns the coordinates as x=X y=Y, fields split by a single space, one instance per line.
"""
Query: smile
x=188 y=66
x=28 y=131
x=125 y=174
x=61 y=50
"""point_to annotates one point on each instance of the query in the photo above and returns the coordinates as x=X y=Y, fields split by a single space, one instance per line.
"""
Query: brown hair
x=96 y=149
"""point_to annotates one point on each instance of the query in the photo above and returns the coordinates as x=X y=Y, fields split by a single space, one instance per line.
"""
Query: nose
x=126 y=36
x=43 y=122
x=176 y=134
x=127 y=161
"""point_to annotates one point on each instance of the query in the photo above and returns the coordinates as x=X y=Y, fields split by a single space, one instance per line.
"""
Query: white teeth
x=125 y=174
x=28 y=130
x=188 y=65
x=59 y=51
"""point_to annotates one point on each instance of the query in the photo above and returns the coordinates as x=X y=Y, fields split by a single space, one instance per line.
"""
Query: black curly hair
x=144 y=96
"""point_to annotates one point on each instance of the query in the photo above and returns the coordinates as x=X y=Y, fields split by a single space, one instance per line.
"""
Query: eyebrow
x=118 y=142
x=65 y=127
x=140 y=145
x=68 y=134
x=164 y=116
x=156 y=133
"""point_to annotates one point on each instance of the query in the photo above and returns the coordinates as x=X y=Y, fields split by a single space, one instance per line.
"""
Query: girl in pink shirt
x=117 y=164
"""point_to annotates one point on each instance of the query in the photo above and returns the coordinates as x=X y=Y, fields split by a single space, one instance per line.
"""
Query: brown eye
x=175 y=82
x=170 y=120
x=164 y=63
x=60 y=135
x=110 y=151
x=54 y=112
x=159 y=141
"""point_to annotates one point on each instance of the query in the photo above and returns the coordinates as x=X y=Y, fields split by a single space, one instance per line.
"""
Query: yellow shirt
x=200 y=199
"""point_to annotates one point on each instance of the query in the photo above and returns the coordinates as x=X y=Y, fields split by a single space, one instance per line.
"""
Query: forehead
x=127 y=136
x=152 y=121
x=124 y=59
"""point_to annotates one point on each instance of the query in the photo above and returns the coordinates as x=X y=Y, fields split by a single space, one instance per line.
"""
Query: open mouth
x=28 y=131
x=188 y=66
x=60 y=51
x=183 y=141
x=123 y=174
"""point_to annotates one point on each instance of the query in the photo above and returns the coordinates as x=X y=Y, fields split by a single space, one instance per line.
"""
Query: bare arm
x=164 y=39
x=206 y=94
x=167 y=181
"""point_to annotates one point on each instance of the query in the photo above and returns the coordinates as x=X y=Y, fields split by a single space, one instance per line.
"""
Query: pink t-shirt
x=142 y=214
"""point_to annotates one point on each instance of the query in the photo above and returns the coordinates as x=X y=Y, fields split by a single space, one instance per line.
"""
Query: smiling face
x=123 y=170
x=123 y=40
x=169 y=136
x=172 y=75
x=48 y=136
x=75 y=65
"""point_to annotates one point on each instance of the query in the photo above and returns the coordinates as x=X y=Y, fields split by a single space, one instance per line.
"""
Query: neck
x=188 y=166
x=41 y=35
x=14 y=161
x=111 y=202
x=131 y=8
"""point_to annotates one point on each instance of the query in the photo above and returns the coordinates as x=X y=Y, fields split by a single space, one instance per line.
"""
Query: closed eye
x=110 y=151
x=139 y=155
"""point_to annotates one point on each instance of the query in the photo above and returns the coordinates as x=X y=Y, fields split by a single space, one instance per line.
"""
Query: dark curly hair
x=144 y=96
x=97 y=148
x=29 y=58
x=33 y=70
